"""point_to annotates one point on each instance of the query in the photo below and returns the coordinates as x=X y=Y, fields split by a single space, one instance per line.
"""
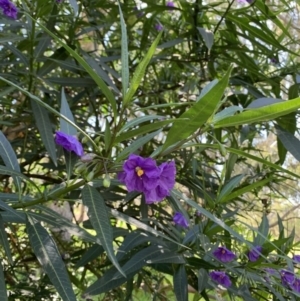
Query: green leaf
x=90 y=255
x=3 y=292
x=4 y=241
x=107 y=135
x=198 y=114
x=229 y=186
x=136 y=145
x=260 y=114
x=9 y=158
x=65 y=126
x=180 y=284
x=44 y=126
x=202 y=279
x=140 y=71
x=208 y=37
x=263 y=231
x=124 y=54
x=70 y=159
x=49 y=257
x=14 y=215
x=100 y=220
x=290 y=142
x=168 y=257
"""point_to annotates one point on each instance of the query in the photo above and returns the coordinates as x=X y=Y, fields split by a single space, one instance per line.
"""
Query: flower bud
x=80 y=169
x=106 y=181
x=87 y=157
x=90 y=176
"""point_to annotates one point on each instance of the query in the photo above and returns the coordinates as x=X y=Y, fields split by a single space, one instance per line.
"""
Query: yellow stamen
x=139 y=171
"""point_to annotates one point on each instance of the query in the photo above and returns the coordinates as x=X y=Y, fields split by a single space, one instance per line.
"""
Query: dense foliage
x=130 y=159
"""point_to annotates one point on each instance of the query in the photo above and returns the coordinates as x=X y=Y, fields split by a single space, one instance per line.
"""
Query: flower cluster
x=9 y=9
x=143 y=175
x=69 y=143
x=221 y=278
x=223 y=254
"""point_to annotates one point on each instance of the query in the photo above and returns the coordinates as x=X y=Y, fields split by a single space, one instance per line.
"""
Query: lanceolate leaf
x=65 y=126
x=45 y=128
x=4 y=241
x=290 y=142
x=198 y=114
x=100 y=220
x=180 y=284
x=260 y=114
x=50 y=259
x=140 y=71
x=124 y=55
x=9 y=157
x=3 y=292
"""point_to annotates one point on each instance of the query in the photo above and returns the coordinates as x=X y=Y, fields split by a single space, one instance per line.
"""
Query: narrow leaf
x=198 y=114
x=290 y=142
x=9 y=158
x=4 y=241
x=44 y=126
x=260 y=114
x=65 y=126
x=100 y=220
x=208 y=37
x=140 y=71
x=3 y=292
x=124 y=54
x=50 y=259
x=229 y=186
x=180 y=284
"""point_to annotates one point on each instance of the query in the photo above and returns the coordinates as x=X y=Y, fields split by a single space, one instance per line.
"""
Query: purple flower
x=143 y=175
x=254 y=254
x=170 y=4
x=221 y=278
x=180 y=220
x=224 y=254
x=296 y=258
x=140 y=174
x=69 y=143
x=9 y=9
x=287 y=277
x=158 y=27
x=296 y=285
x=165 y=184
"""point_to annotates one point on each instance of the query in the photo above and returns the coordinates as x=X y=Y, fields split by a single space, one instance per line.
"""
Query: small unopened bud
x=87 y=157
x=106 y=181
x=80 y=169
x=90 y=176
x=85 y=139
x=97 y=140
